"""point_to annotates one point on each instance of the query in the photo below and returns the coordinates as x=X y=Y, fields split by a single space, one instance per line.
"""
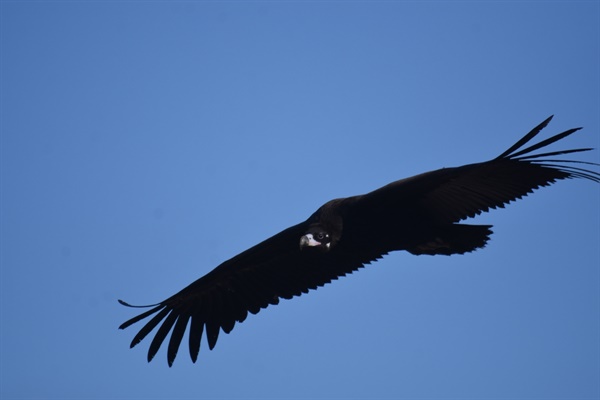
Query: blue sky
x=143 y=143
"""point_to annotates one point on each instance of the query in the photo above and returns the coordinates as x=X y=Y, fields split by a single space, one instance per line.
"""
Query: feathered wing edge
x=200 y=317
x=179 y=312
x=513 y=153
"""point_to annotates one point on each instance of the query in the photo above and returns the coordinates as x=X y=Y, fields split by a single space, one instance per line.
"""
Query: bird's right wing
x=450 y=195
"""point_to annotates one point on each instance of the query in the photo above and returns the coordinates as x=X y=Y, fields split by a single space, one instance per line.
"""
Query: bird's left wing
x=275 y=268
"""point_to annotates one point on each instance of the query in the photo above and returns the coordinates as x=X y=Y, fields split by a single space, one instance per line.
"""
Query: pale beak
x=308 y=240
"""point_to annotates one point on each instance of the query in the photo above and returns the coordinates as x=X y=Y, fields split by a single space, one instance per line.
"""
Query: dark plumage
x=418 y=214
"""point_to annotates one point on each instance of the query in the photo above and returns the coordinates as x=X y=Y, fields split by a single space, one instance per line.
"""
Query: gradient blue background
x=143 y=143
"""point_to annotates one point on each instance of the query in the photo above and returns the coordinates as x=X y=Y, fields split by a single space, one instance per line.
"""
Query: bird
x=421 y=214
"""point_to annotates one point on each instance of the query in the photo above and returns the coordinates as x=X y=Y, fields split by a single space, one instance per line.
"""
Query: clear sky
x=143 y=143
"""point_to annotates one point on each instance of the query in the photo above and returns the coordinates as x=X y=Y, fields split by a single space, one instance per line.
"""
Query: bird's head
x=316 y=237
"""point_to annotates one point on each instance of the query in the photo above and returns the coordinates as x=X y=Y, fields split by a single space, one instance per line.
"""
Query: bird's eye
x=321 y=236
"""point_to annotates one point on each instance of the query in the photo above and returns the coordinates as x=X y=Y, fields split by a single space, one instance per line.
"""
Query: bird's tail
x=453 y=239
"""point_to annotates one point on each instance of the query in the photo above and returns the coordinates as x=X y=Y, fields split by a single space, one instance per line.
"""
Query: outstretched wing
x=450 y=195
x=432 y=203
x=249 y=282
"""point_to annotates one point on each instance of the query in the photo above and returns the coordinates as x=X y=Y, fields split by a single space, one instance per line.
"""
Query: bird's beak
x=308 y=240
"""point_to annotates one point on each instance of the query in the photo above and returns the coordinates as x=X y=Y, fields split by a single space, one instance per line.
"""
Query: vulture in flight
x=420 y=214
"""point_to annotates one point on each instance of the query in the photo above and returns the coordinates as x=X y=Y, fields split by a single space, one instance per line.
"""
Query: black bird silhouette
x=418 y=214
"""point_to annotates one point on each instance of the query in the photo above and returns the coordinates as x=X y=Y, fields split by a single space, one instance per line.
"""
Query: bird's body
x=420 y=214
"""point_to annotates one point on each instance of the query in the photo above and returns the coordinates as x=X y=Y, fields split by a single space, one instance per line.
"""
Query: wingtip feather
x=126 y=304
